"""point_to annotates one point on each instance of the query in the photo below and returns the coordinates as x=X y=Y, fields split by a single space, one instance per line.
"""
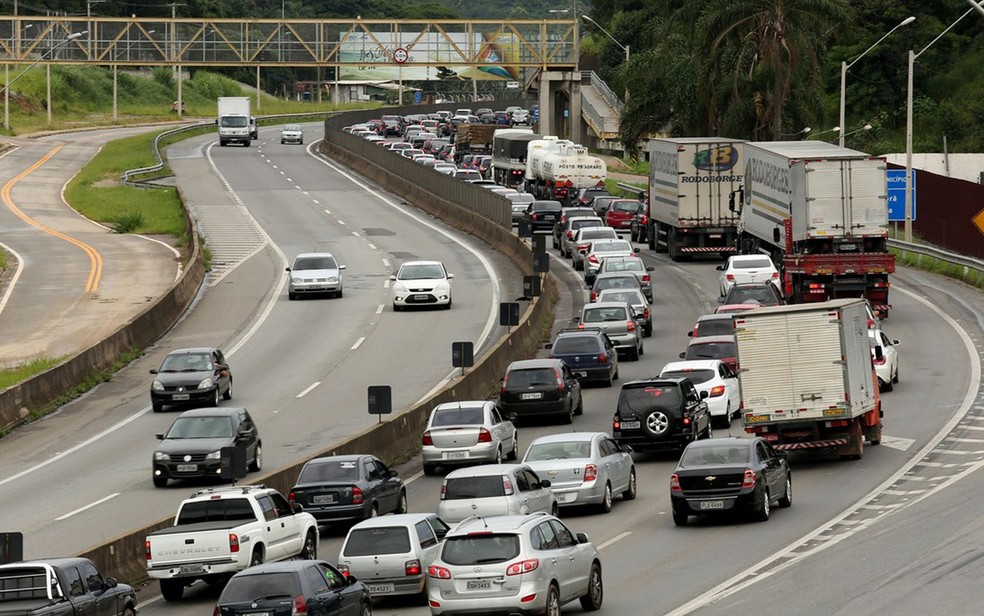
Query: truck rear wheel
x=854 y=449
x=172 y=590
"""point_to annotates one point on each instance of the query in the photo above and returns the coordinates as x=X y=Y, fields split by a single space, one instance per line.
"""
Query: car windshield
x=572 y=345
x=292 y=128
x=710 y=350
x=611 y=246
x=219 y=510
x=623 y=266
x=233 y=122
x=421 y=272
x=213 y=426
x=459 y=488
x=696 y=376
x=629 y=297
x=530 y=376
x=468 y=415
x=604 y=315
x=372 y=541
x=751 y=263
x=480 y=549
x=314 y=263
x=334 y=470
x=559 y=451
x=248 y=588
x=718 y=455
x=186 y=362
x=741 y=295
x=715 y=327
x=639 y=399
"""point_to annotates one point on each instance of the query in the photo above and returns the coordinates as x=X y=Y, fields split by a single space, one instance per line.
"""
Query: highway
x=912 y=500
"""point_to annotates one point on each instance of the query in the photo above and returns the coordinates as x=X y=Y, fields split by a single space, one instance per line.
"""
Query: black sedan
x=187 y=377
x=722 y=475
x=192 y=446
x=311 y=587
x=344 y=489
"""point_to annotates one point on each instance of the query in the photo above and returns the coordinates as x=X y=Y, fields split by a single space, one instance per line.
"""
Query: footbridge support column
x=560 y=104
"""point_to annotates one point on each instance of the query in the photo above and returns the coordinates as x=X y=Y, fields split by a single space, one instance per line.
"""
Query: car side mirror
x=703 y=395
x=153 y=370
x=582 y=538
x=450 y=276
x=721 y=300
x=297 y=507
x=650 y=268
x=111 y=582
x=690 y=334
x=352 y=581
x=682 y=355
x=896 y=341
x=391 y=473
x=548 y=346
x=635 y=250
x=286 y=269
x=392 y=277
x=341 y=267
x=720 y=268
x=242 y=435
x=626 y=448
x=160 y=436
x=544 y=483
x=512 y=416
x=577 y=319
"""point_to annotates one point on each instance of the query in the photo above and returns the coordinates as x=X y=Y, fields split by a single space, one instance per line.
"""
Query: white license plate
x=323 y=499
x=379 y=588
x=191 y=569
x=533 y=396
x=715 y=504
x=187 y=468
x=631 y=425
x=420 y=298
x=181 y=397
x=257 y=614
x=478 y=585
x=581 y=374
x=454 y=455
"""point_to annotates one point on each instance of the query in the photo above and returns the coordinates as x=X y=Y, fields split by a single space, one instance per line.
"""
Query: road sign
x=462 y=354
x=400 y=55
x=11 y=547
x=380 y=400
x=978 y=221
x=896 y=194
x=531 y=286
x=509 y=314
x=418 y=97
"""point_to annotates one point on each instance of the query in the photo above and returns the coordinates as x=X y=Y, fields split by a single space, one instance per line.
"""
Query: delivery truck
x=509 y=155
x=236 y=122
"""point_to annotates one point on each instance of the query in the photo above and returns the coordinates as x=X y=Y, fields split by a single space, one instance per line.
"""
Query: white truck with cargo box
x=806 y=376
x=690 y=183
x=221 y=531
x=236 y=121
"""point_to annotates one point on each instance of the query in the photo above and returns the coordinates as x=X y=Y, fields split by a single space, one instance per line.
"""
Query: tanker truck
x=560 y=173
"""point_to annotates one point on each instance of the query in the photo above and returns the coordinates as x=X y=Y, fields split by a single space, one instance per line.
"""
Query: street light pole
x=44 y=56
x=845 y=66
x=624 y=48
x=908 y=123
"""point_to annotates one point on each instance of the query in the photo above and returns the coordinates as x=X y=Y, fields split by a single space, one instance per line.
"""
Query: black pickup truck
x=62 y=587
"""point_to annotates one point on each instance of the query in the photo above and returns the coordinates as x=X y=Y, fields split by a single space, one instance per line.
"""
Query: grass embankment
x=12 y=376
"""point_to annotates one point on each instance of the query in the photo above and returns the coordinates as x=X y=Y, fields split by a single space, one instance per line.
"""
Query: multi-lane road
x=897 y=529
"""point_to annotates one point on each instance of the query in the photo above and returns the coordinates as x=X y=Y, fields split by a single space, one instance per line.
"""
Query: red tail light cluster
x=593 y=259
x=291 y=497
x=357 y=497
x=439 y=573
x=675 y=483
x=594 y=296
x=729 y=277
x=233 y=542
x=560 y=379
x=484 y=436
x=427 y=440
x=523 y=566
x=505 y=381
x=603 y=358
x=630 y=325
x=590 y=472
x=646 y=278
x=878 y=362
x=412 y=567
x=343 y=569
x=717 y=390
x=748 y=481
x=147 y=547
x=299 y=606
x=507 y=486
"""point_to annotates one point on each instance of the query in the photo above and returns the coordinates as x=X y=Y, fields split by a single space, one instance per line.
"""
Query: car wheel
x=309 y=551
x=787 y=496
x=888 y=385
x=762 y=515
x=215 y=396
x=709 y=433
x=256 y=558
x=609 y=379
x=498 y=456
x=374 y=512
x=633 y=489
x=514 y=454
x=401 y=506
x=634 y=354
x=615 y=377
x=591 y=600
x=579 y=410
x=605 y=506
x=172 y=590
x=397 y=308
x=228 y=392
x=282 y=142
x=340 y=293
x=895 y=379
x=680 y=519
x=157 y=406
x=366 y=610
x=552 y=607
x=257 y=464
x=160 y=481
x=648 y=331
x=568 y=416
x=658 y=422
x=430 y=469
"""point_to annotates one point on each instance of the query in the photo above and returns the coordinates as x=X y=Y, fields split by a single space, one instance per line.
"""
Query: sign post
x=380 y=401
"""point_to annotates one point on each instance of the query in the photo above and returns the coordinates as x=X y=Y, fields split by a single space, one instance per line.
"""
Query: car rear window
x=624 y=206
x=480 y=549
x=710 y=350
x=558 y=451
x=715 y=456
x=547 y=206
x=645 y=397
x=458 y=488
x=219 y=510
x=741 y=295
x=623 y=266
x=696 y=376
x=531 y=376
x=347 y=470
x=629 y=297
x=580 y=224
x=243 y=588
x=456 y=417
x=594 y=233
x=751 y=263
x=576 y=344
x=628 y=281
x=371 y=541
x=612 y=246
x=715 y=327
x=604 y=315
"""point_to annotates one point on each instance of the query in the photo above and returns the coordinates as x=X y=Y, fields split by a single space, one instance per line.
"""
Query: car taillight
x=440 y=573
x=645 y=312
x=444 y=489
x=729 y=277
x=630 y=325
x=357 y=497
x=590 y=472
x=593 y=259
x=775 y=275
x=427 y=440
x=560 y=379
x=216 y=611
x=534 y=216
x=580 y=325
x=717 y=390
x=749 y=479
x=505 y=381
x=581 y=247
x=675 y=483
x=233 y=542
x=603 y=358
x=291 y=497
x=570 y=235
x=523 y=566
x=594 y=296
x=646 y=278
x=412 y=567
x=507 y=486
x=878 y=362
x=484 y=436
x=147 y=547
x=299 y=606
x=343 y=569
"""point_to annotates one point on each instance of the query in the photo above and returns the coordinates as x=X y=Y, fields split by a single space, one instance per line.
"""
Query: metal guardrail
x=630 y=188
x=606 y=93
x=969 y=263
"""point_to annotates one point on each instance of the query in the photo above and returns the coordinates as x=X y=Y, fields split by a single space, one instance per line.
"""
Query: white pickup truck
x=219 y=532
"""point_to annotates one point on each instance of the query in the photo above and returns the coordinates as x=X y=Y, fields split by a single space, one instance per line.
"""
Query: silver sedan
x=584 y=468
x=468 y=433
x=315 y=272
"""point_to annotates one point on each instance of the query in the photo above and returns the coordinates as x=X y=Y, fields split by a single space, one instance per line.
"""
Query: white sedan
x=714 y=377
x=886 y=366
x=746 y=268
x=421 y=283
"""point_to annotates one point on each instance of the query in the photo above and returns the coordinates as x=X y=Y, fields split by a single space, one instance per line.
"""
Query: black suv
x=534 y=387
x=660 y=414
x=588 y=352
x=543 y=214
x=761 y=293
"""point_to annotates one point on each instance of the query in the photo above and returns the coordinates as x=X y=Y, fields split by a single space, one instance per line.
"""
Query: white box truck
x=236 y=121
x=806 y=375
x=690 y=182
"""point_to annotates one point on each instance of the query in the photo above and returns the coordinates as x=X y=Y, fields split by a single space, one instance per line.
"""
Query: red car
x=620 y=212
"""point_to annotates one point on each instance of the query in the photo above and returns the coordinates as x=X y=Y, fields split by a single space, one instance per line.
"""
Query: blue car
x=589 y=353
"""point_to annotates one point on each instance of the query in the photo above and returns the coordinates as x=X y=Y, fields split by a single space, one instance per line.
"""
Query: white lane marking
x=13 y=279
x=386 y=284
x=276 y=167
x=618 y=537
x=356 y=234
x=328 y=212
x=380 y=309
x=372 y=246
x=897 y=442
x=386 y=262
x=289 y=180
x=308 y=390
x=305 y=193
x=297 y=187
x=964 y=440
x=283 y=173
x=341 y=222
x=413 y=477
x=316 y=202
x=358 y=343
x=89 y=506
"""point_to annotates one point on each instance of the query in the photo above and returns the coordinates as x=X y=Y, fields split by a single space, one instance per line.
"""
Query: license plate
x=581 y=374
x=323 y=499
x=420 y=297
x=181 y=397
x=454 y=455
x=755 y=418
x=478 y=585
x=187 y=468
x=533 y=396
x=257 y=614
x=712 y=504
x=191 y=569
x=379 y=588
x=631 y=425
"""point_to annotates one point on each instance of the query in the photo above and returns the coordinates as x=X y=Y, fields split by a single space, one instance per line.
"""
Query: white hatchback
x=421 y=283
x=746 y=268
x=497 y=489
x=714 y=377
x=887 y=366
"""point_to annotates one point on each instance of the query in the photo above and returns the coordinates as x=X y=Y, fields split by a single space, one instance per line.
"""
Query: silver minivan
x=497 y=489
x=618 y=321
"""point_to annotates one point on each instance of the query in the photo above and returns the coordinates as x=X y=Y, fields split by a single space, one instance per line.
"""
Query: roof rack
x=240 y=489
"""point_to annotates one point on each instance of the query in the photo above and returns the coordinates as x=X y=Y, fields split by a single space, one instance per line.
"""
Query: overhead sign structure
x=896 y=195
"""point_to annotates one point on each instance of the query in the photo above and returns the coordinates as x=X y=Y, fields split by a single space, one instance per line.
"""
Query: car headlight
x=215 y=455
x=442 y=287
x=399 y=288
x=333 y=279
x=160 y=456
x=157 y=386
x=296 y=280
x=206 y=383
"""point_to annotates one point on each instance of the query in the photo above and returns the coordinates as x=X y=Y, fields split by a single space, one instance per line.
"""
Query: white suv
x=528 y=564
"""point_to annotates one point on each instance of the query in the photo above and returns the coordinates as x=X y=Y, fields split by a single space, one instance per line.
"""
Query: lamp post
x=908 y=125
x=804 y=131
x=845 y=66
x=624 y=48
x=44 y=56
x=824 y=132
x=857 y=130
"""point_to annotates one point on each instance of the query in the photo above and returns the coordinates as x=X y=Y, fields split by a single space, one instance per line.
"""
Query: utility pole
x=88 y=23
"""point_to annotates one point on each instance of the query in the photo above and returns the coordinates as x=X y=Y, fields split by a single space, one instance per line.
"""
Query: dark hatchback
x=725 y=475
x=343 y=489
x=713 y=325
x=589 y=353
x=192 y=446
x=713 y=347
x=537 y=387
x=761 y=293
x=660 y=414
x=289 y=588
x=542 y=215
x=192 y=376
x=586 y=196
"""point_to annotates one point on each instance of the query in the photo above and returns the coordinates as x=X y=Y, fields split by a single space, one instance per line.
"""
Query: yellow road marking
x=95 y=271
